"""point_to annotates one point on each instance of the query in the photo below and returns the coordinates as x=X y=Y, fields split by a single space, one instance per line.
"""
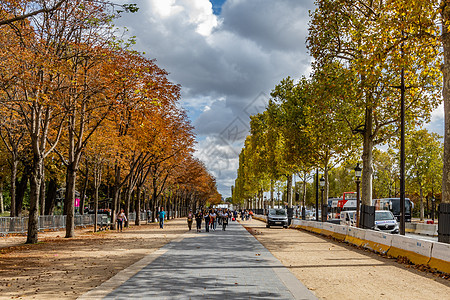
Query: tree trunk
x=446 y=96
x=33 y=217
x=2 y=207
x=84 y=189
x=127 y=204
x=289 y=190
x=272 y=201
x=116 y=193
x=51 y=197
x=304 y=191
x=137 y=208
x=366 y=180
x=42 y=192
x=422 y=210
x=71 y=177
x=13 y=209
x=20 y=193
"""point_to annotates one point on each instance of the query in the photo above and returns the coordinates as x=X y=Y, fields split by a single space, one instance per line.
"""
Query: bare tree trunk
x=42 y=192
x=445 y=201
x=422 y=211
x=33 y=217
x=289 y=190
x=366 y=180
x=84 y=189
x=20 y=193
x=116 y=193
x=304 y=191
x=97 y=182
x=128 y=196
x=271 y=194
x=51 y=197
x=12 y=210
x=137 y=208
x=2 y=207
x=70 y=199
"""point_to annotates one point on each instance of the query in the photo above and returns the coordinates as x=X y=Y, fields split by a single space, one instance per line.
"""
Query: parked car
x=277 y=216
x=385 y=221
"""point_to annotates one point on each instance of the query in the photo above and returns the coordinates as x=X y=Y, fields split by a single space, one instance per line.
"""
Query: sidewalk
x=229 y=264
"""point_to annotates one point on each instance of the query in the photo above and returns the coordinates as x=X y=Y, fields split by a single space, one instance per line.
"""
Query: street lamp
x=322 y=185
x=358 y=177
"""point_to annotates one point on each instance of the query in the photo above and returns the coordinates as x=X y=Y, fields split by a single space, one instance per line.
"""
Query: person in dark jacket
x=198 y=220
x=207 y=219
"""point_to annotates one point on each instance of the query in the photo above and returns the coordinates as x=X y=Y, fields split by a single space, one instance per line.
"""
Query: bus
x=393 y=205
x=337 y=205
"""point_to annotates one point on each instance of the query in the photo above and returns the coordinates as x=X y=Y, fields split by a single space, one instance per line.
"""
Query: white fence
x=20 y=224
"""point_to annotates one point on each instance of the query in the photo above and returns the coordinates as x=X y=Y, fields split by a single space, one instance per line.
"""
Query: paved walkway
x=229 y=264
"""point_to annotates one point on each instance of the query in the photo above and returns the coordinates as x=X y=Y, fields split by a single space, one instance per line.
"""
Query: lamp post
x=322 y=185
x=358 y=177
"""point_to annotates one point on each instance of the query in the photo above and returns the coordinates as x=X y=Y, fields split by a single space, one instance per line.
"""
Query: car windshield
x=278 y=212
x=383 y=215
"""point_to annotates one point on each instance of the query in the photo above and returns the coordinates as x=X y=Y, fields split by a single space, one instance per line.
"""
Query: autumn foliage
x=74 y=96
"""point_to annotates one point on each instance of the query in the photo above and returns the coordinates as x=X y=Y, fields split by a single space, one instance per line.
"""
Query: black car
x=277 y=217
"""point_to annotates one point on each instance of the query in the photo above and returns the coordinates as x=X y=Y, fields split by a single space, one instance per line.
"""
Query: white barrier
x=377 y=241
x=440 y=257
x=357 y=233
x=417 y=251
x=433 y=254
x=427 y=229
x=341 y=229
x=440 y=251
x=328 y=227
x=295 y=222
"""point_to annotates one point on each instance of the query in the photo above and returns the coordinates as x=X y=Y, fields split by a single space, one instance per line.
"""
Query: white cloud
x=438 y=113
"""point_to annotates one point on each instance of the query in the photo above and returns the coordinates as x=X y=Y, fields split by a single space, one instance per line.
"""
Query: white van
x=385 y=221
x=348 y=217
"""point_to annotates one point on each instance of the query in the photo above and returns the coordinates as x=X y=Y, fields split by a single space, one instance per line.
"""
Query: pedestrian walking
x=213 y=220
x=120 y=218
x=198 y=220
x=207 y=219
x=224 y=220
x=161 y=216
x=219 y=214
x=190 y=219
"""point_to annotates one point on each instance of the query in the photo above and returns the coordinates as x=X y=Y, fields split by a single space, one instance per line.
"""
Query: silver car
x=277 y=216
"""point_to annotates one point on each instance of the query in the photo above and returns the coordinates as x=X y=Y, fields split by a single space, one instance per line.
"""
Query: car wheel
x=267 y=226
x=285 y=227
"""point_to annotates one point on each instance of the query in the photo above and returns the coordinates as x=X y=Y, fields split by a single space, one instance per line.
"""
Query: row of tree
x=74 y=95
x=363 y=53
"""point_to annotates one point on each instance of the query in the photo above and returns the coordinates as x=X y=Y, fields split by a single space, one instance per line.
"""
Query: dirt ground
x=59 y=268
x=335 y=270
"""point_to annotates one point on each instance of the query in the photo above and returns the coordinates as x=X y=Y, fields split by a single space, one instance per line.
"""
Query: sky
x=227 y=55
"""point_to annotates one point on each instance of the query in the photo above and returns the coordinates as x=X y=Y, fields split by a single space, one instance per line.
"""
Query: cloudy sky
x=227 y=55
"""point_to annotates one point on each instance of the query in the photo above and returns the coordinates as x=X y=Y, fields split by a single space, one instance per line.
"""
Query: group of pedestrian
x=211 y=218
x=246 y=215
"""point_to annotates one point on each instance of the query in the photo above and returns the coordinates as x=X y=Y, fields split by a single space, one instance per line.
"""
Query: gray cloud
x=254 y=45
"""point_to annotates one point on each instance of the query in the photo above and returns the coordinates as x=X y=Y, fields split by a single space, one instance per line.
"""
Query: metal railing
x=20 y=224
x=132 y=217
